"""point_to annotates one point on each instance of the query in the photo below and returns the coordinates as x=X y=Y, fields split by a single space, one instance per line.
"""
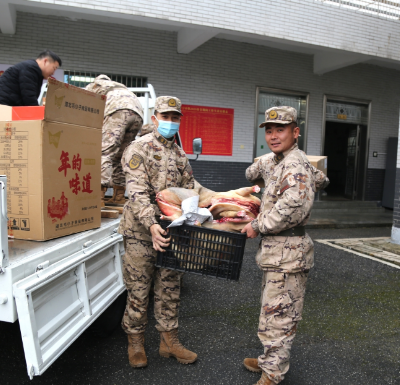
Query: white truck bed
x=57 y=288
x=20 y=250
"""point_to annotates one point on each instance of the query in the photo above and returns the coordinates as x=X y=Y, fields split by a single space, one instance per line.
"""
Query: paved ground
x=350 y=331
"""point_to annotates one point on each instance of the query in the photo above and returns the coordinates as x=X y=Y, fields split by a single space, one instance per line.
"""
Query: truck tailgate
x=60 y=300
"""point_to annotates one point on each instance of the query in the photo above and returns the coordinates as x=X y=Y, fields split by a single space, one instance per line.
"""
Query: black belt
x=298 y=231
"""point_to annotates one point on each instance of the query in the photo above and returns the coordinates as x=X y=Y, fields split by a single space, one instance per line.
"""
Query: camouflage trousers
x=139 y=271
x=119 y=130
x=282 y=300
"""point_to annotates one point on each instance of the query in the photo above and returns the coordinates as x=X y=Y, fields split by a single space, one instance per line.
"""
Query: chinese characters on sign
x=78 y=222
x=80 y=107
x=214 y=125
x=75 y=182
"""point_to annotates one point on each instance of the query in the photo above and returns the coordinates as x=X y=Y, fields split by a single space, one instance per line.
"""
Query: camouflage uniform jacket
x=151 y=163
x=291 y=182
x=118 y=96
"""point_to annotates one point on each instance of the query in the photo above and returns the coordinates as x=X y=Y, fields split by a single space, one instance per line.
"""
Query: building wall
x=301 y=21
x=220 y=73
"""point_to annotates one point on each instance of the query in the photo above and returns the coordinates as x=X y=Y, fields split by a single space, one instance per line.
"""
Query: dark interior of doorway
x=338 y=150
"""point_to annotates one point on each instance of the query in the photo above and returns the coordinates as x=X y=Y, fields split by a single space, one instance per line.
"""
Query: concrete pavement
x=350 y=331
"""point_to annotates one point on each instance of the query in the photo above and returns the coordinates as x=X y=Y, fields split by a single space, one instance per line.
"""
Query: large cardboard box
x=53 y=165
x=319 y=162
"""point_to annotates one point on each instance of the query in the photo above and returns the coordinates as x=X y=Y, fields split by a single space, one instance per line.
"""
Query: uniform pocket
x=299 y=249
x=278 y=306
x=270 y=252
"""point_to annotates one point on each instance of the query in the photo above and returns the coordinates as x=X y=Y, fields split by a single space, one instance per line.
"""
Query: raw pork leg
x=205 y=194
x=236 y=200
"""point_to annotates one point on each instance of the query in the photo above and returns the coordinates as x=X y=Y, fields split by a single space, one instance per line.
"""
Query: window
x=82 y=79
x=268 y=98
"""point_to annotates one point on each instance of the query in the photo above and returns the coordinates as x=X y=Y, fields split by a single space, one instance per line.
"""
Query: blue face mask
x=167 y=129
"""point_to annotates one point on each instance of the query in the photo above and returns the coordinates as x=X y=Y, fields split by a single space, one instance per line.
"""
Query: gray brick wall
x=374 y=184
x=220 y=176
x=396 y=208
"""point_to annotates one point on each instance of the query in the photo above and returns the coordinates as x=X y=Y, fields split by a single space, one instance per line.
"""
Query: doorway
x=346 y=146
x=345 y=152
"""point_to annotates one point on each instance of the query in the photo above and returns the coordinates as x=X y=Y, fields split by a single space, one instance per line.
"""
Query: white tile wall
x=219 y=73
x=301 y=21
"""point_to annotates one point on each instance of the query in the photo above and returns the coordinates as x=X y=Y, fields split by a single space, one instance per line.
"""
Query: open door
x=55 y=305
x=353 y=150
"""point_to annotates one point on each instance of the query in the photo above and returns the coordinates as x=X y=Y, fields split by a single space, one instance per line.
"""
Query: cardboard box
x=319 y=162
x=53 y=165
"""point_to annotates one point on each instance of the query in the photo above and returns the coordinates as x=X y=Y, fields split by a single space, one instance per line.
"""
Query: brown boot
x=118 y=197
x=252 y=365
x=170 y=346
x=264 y=380
x=103 y=193
x=136 y=353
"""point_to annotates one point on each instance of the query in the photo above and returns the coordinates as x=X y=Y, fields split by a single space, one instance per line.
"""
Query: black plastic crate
x=203 y=251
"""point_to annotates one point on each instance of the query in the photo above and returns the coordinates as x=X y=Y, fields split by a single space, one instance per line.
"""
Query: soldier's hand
x=249 y=231
x=159 y=241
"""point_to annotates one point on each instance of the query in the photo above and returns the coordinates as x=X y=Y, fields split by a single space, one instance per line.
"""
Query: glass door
x=352 y=163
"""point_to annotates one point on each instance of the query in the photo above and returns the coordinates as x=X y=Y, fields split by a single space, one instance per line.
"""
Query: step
x=347 y=210
x=352 y=205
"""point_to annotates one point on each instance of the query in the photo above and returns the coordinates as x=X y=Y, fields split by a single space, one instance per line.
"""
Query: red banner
x=213 y=125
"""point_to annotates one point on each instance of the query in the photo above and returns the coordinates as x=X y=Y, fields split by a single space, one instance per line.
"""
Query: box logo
x=58 y=100
x=57 y=209
x=54 y=138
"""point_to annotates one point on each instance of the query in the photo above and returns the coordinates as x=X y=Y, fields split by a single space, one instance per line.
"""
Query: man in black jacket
x=20 y=84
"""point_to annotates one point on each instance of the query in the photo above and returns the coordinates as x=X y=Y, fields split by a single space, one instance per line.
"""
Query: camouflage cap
x=168 y=103
x=281 y=115
x=102 y=77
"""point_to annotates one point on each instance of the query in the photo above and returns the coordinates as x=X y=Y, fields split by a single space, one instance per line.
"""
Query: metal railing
x=389 y=9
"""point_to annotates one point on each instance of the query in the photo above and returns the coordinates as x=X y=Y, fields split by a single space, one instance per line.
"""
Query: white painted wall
x=301 y=21
x=219 y=73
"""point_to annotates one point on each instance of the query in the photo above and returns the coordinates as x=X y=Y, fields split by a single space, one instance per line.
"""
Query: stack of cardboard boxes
x=51 y=156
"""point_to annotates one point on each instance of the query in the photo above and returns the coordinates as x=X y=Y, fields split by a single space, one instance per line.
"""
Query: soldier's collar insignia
x=162 y=140
x=278 y=158
x=172 y=102
x=165 y=142
x=157 y=157
x=273 y=115
x=135 y=162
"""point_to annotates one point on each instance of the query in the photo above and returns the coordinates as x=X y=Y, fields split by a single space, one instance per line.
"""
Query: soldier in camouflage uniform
x=123 y=118
x=286 y=252
x=152 y=163
x=146 y=129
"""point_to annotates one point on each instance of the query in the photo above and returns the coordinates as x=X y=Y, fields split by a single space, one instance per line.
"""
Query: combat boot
x=252 y=365
x=170 y=346
x=264 y=380
x=136 y=353
x=103 y=193
x=118 y=197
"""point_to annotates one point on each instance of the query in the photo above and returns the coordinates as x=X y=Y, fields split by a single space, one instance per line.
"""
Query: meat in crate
x=199 y=250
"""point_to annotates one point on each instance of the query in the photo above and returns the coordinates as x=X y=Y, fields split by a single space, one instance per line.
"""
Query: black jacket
x=20 y=84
